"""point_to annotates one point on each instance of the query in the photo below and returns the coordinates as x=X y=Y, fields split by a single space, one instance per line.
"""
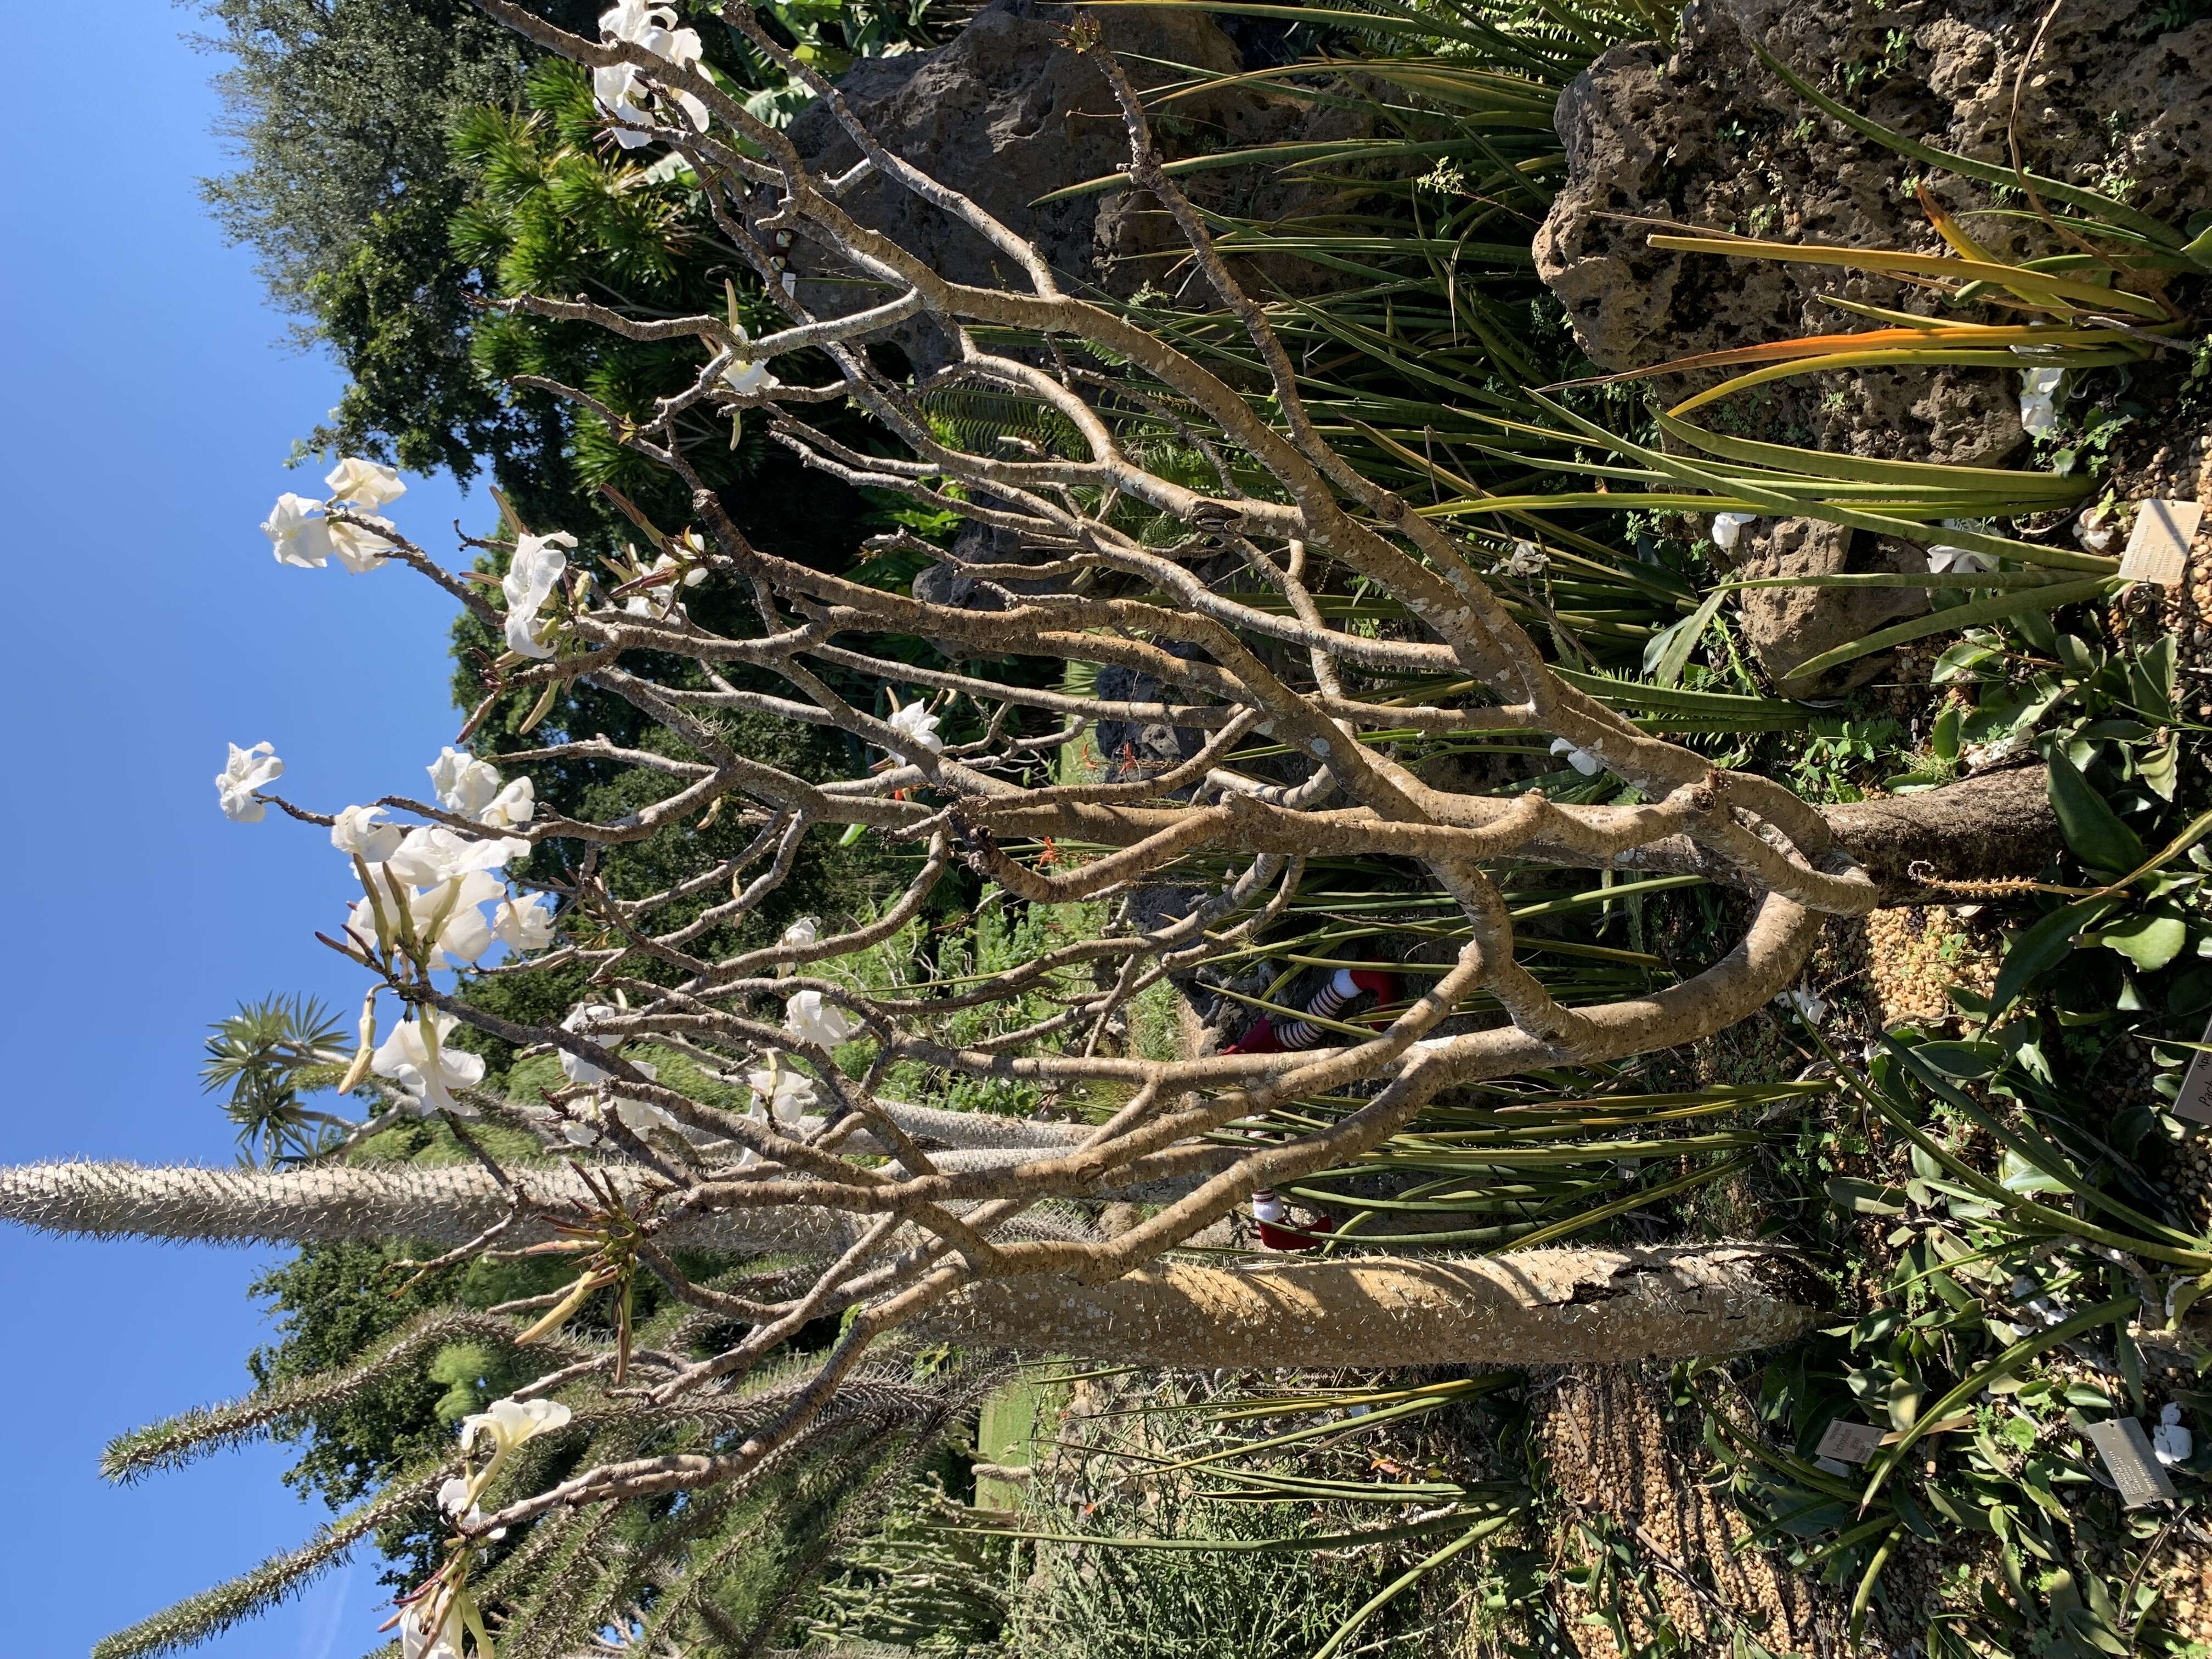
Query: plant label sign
x=2126 y=1450
x=2194 y=1100
x=2158 y=547
x=1849 y=1443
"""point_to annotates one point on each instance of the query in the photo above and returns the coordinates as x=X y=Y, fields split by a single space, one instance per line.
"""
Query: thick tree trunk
x=445 y=1207
x=1985 y=827
x=1994 y=825
x=1535 y=1307
x=1980 y=829
x=1530 y=1308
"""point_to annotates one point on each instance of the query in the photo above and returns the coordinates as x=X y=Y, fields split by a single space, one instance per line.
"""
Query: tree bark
x=1985 y=827
x=1534 y=1307
x=1989 y=826
x=1529 y=1307
x=445 y=1205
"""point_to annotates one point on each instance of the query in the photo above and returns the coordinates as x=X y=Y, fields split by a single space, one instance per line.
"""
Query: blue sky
x=147 y=401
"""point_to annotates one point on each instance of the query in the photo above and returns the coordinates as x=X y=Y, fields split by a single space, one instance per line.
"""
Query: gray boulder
x=1704 y=136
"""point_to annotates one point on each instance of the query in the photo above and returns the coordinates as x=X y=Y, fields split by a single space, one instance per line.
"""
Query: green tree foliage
x=337 y=110
x=402 y=160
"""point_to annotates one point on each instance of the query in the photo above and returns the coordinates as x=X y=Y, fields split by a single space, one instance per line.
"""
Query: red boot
x=1272 y=1214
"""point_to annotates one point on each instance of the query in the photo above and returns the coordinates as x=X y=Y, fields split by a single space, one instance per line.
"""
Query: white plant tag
x=2158 y=547
x=2194 y=1100
x=1849 y=1443
x=2126 y=1450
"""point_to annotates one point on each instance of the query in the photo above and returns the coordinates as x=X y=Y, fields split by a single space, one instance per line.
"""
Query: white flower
x=1527 y=559
x=744 y=376
x=454 y=1497
x=406 y=1058
x=621 y=88
x=464 y=784
x=2170 y=1440
x=508 y=1422
x=2038 y=393
x=804 y=932
x=358 y=832
x=464 y=935
x=639 y=1115
x=537 y=565
x=363 y=484
x=1810 y=1006
x=579 y=1021
x=618 y=88
x=358 y=548
x=248 y=769
x=2094 y=529
x=640 y=23
x=1728 y=529
x=516 y=804
x=1580 y=759
x=810 y=1019
x=299 y=539
x=664 y=601
x=435 y=855
x=415 y=1642
x=1943 y=559
x=918 y=726
x=786 y=1094
x=524 y=924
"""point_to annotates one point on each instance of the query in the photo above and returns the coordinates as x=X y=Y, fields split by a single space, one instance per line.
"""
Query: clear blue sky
x=147 y=405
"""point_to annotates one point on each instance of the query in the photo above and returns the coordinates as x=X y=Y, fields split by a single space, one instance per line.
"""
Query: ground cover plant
x=729 y=1214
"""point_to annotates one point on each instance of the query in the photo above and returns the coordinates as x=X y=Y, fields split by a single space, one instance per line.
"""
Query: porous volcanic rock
x=1704 y=134
x=1787 y=626
x=1006 y=114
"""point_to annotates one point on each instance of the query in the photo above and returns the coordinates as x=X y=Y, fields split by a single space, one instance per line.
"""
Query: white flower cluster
x=1807 y=1004
x=298 y=526
x=781 y=1095
x=444 y=879
x=664 y=601
x=637 y=1116
x=621 y=88
x=437 y=1619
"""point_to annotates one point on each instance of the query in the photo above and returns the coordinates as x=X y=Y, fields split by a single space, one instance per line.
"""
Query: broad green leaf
x=1966 y=1060
x=2092 y=828
x=1943 y=741
x=2042 y=947
x=1865 y=1198
x=2150 y=941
